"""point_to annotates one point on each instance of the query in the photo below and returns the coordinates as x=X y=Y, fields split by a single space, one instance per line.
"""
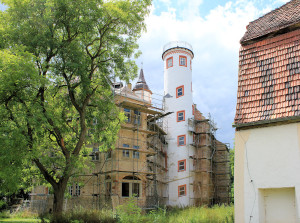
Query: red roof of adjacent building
x=269 y=76
x=285 y=16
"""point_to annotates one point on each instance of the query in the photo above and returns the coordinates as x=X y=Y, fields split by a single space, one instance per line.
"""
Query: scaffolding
x=137 y=166
x=210 y=162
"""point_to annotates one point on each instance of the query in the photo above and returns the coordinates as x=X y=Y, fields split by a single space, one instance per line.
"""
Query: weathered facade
x=267 y=121
x=144 y=163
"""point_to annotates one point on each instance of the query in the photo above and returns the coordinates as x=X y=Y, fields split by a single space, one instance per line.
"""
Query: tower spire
x=141 y=83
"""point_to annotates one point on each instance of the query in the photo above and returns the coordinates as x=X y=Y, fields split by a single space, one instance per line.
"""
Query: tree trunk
x=58 y=201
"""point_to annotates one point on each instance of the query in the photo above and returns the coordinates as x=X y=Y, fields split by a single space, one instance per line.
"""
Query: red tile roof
x=269 y=79
x=286 y=15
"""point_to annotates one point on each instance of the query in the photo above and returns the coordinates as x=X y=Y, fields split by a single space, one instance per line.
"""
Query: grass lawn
x=19 y=220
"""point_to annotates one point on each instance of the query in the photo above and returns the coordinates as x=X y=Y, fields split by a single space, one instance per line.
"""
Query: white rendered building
x=177 y=57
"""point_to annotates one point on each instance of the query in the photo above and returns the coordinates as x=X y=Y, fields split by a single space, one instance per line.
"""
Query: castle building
x=267 y=120
x=166 y=153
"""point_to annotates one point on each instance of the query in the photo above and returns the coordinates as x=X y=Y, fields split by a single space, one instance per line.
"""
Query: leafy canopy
x=57 y=61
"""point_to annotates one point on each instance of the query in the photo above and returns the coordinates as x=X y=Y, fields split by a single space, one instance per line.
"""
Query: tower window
x=182 y=190
x=179 y=91
x=181 y=140
x=180 y=116
x=181 y=165
x=182 y=61
x=169 y=62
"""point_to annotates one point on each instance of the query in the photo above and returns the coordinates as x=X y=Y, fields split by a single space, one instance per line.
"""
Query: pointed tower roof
x=141 y=83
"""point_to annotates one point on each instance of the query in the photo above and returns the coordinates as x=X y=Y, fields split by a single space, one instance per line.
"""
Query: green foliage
x=57 y=61
x=129 y=212
x=83 y=216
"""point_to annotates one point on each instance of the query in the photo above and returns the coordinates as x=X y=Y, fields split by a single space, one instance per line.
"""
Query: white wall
x=269 y=158
x=174 y=77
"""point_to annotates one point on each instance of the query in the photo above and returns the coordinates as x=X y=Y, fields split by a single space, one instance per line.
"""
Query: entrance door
x=279 y=205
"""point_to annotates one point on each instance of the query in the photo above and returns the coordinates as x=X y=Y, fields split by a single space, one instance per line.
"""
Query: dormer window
x=169 y=62
x=182 y=61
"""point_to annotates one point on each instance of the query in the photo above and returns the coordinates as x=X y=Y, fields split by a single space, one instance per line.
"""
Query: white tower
x=177 y=57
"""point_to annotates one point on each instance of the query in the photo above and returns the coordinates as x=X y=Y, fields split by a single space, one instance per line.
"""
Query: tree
x=57 y=60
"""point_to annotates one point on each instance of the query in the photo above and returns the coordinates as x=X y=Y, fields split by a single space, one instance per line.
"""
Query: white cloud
x=215 y=40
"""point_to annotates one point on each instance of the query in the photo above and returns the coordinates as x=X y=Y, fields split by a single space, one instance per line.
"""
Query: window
x=179 y=91
x=180 y=116
x=136 y=154
x=95 y=154
x=127 y=114
x=125 y=189
x=70 y=190
x=182 y=61
x=169 y=62
x=136 y=189
x=77 y=190
x=126 y=145
x=136 y=147
x=181 y=140
x=181 y=165
x=125 y=153
x=182 y=190
x=131 y=186
x=137 y=117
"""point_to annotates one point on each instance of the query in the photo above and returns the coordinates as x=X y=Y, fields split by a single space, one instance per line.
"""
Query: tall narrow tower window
x=181 y=165
x=181 y=140
x=179 y=91
x=170 y=62
x=182 y=190
x=182 y=61
x=180 y=116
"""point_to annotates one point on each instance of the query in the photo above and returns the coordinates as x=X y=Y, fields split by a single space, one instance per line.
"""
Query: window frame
x=131 y=187
x=184 y=189
x=184 y=165
x=127 y=113
x=137 y=117
x=126 y=153
x=182 y=111
x=184 y=138
x=180 y=57
x=135 y=154
x=178 y=96
x=167 y=64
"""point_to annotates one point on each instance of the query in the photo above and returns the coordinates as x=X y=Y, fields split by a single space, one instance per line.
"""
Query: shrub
x=82 y=216
x=129 y=212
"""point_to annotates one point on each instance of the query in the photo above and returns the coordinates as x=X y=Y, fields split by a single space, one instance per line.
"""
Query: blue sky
x=213 y=28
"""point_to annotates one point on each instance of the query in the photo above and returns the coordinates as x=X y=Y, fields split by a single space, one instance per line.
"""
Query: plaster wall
x=175 y=77
x=266 y=159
